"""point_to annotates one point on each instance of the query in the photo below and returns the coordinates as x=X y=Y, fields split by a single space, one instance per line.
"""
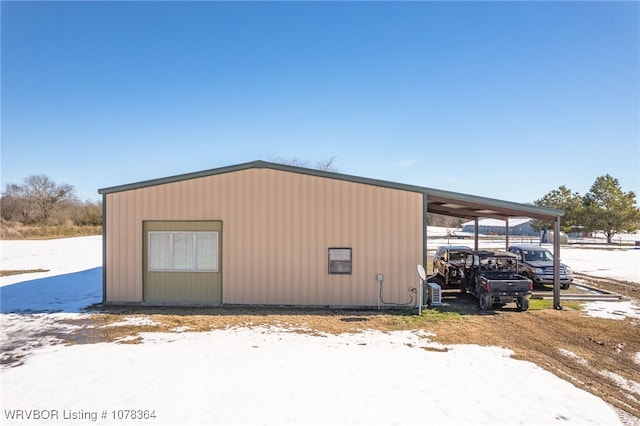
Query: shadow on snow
x=61 y=293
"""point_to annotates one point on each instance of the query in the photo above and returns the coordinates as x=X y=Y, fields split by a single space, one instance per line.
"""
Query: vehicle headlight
x=568 y=270
x=538 y=271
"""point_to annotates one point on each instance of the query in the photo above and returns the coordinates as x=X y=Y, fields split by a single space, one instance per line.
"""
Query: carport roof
x=438 y=201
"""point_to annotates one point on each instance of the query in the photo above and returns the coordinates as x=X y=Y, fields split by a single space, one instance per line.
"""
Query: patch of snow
x=617 y=310
x=127 y=339
x=606 y=262
x=570 y=354
x=629 y=385
x=58 y=256
x=134 y=321
x=251 y=376
x=22 y=334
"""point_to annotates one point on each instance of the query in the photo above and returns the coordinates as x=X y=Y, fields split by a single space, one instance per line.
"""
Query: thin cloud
x=405 y=163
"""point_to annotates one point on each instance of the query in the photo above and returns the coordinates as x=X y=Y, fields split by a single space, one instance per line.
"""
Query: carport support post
x=506 y=234
x=556 y=264
x=425 y=246
x=475 y=226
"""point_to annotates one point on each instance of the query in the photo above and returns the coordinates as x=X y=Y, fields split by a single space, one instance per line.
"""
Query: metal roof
x=438 y=201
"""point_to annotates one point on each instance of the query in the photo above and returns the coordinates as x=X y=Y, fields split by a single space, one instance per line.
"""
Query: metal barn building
x=261 y=233
x=517 y=226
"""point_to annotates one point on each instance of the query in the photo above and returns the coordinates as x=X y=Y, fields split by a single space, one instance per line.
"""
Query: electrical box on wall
x=379 y=277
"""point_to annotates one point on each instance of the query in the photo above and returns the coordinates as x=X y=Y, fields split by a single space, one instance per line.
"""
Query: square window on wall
x=340 y=260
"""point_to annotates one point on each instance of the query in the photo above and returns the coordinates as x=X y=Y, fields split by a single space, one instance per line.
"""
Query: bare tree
x=326 y=165
x=86 y=213
x=434 y=219
x=36 y=198
x=45 y=194
x=14 y=203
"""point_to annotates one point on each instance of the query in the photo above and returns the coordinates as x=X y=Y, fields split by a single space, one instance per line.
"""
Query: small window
x=339 y=261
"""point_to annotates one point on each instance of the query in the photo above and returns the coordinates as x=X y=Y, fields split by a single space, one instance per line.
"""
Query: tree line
x=38 y=200
x=606 y=208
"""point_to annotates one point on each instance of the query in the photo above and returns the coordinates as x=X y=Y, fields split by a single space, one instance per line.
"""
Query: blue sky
x=506 y=100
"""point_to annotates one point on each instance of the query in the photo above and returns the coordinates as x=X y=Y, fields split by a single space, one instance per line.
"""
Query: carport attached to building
x=475 y=207
x=292 y=236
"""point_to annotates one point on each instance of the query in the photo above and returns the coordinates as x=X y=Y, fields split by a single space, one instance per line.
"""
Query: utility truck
x=492 y=277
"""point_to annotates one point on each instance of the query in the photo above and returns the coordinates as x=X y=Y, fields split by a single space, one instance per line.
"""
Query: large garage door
x=182 y=262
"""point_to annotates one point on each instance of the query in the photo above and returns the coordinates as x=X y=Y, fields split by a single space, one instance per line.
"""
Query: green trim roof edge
x=260 y=164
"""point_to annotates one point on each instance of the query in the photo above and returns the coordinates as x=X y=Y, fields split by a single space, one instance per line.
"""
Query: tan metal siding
x=124 y=255
x=278 y=227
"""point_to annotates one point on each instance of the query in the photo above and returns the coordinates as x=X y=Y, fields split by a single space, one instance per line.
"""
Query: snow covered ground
x=262 y=376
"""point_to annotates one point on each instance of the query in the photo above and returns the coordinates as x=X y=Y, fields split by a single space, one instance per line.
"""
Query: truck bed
x=501 y=275
x=502 y=281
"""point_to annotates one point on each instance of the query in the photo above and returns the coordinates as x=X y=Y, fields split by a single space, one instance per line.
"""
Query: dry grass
x=18 y=231
x=9 y=272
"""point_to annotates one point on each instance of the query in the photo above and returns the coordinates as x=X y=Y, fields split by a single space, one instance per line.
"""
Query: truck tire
x=565 y=286
x=486 y=302
x=522 y=303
